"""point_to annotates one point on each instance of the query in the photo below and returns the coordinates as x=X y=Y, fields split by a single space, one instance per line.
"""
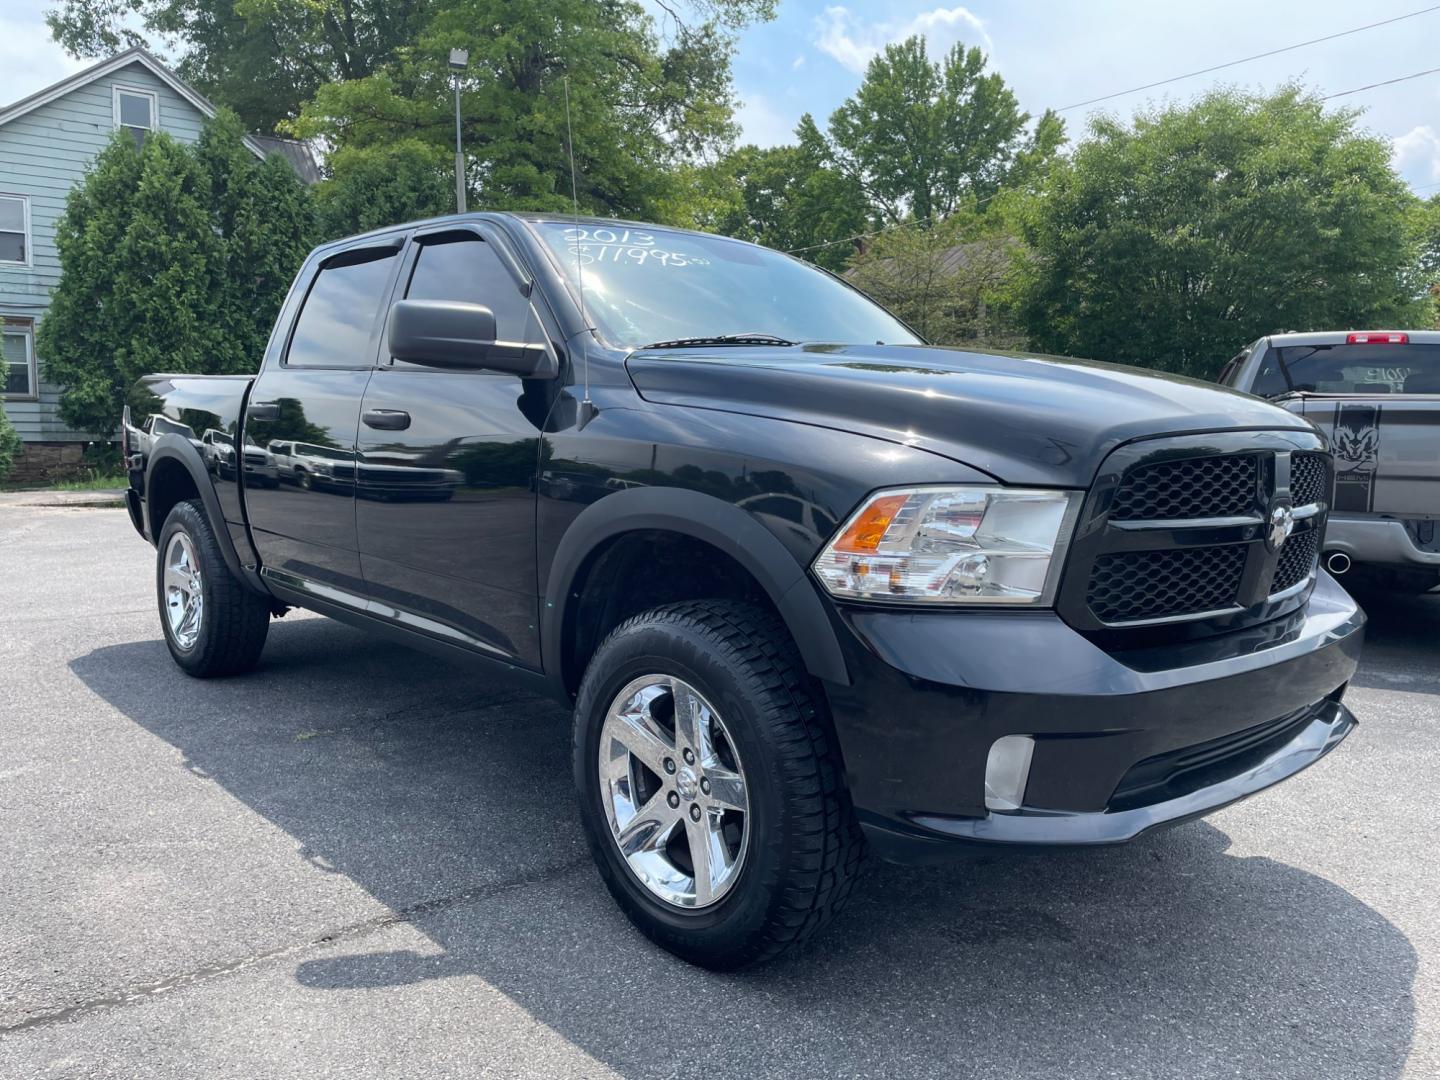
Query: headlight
x=949 y=545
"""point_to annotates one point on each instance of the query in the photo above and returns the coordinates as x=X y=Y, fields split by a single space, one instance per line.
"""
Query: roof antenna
x=587 y=407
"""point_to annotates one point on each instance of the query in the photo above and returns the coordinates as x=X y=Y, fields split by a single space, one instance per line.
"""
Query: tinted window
x=1350 y=369
x=469 y=270
x=335 y=324
x=649 y=285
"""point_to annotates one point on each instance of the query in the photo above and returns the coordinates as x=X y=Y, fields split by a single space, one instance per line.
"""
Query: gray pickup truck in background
x=1376 y=397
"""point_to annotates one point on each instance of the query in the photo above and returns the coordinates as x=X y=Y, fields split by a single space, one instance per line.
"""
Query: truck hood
x=1021 y=418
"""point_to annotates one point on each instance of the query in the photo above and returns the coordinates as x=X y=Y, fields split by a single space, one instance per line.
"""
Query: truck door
x=308 y=401
x=447 y=462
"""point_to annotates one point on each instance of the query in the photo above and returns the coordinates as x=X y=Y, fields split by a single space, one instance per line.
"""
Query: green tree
x=955 y=282
x=266 y=218
x=172 y=258
x=1171 y=241
x=263 y=58
x=139 y=283
x=9 y=446
x=374 y=186
x=924 y=138
x=267 y=58
x=790 y=197
x=640 y=107
x=1425 y=228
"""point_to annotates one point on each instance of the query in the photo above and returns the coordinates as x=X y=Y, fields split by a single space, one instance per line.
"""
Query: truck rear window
x=1350 y=369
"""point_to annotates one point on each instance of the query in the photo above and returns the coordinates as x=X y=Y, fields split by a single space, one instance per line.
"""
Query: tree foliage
x=790 y=197
x=640 y=108
x=955 y=282
x=381 y=185
x=1425 y=231
x=9 y=446
x=266 y=58
x=924 y=138
x=173 y=258
x=1173 y=240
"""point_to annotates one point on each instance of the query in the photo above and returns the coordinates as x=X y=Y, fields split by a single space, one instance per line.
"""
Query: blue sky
x=1053 y=52
x=1056 y=53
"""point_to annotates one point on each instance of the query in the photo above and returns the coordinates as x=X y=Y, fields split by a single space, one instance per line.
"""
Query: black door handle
x=263 y=410
x=387 y=419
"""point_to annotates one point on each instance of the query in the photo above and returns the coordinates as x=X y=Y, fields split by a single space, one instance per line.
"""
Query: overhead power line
x=1259 y=56
x=1387 y=82
x=1203 y=71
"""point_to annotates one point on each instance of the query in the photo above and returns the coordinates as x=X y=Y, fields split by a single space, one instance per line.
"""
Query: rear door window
x=337 y=324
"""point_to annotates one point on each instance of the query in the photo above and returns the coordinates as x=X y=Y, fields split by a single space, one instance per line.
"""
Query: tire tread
x=236 y=619
x=828 y=846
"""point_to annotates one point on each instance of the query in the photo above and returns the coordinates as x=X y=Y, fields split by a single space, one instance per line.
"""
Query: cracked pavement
x=360 y=861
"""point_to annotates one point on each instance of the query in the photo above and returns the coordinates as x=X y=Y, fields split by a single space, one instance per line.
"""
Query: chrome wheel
x=184 y=594
x=674 y=791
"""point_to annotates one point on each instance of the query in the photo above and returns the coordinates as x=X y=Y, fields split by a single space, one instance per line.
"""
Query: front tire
x=213 y=624
x=711 y=790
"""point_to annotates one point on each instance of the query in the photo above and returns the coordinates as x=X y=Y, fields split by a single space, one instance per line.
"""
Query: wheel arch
x=696 y=517
x=175 y=472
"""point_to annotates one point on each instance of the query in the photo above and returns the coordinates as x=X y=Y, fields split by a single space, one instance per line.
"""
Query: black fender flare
x=716 y=522
x=172 y=447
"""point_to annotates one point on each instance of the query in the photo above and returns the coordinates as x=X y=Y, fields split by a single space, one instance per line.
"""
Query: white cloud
x=1416 y=154
x=798 y=62
x=854 y=42
x=763 y=124
x=29 y=60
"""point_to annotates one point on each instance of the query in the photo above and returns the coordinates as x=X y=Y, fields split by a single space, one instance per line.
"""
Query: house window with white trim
x=135 y=111
x=15 y=229
x=17 y=350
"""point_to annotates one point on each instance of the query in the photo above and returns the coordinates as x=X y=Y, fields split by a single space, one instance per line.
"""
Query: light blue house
x=46 y=142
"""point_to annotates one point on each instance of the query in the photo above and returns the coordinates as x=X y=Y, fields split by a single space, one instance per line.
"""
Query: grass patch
x=92 y=483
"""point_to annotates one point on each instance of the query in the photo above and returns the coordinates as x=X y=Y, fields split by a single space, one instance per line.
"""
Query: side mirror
x=454 y=334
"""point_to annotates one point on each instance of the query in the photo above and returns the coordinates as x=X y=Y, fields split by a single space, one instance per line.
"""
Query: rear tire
x=213 y=624
x=801 y=845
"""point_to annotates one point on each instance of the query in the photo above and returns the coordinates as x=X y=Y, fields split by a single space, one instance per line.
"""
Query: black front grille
x=1133 y=585
x=1197 y=487
x=1297 y=559
x=1309 y=479
x=1175 y=532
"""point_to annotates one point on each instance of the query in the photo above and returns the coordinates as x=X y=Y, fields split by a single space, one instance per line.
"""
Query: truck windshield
x=649 y=285
x=1350 y=369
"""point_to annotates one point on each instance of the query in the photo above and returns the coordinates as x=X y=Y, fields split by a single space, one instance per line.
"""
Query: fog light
x=1007 y=770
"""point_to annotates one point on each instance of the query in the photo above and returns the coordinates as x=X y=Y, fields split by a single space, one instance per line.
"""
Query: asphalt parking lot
x=360 y=862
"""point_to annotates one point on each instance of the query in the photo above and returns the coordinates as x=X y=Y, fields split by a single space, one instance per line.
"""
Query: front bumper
x=1377 y=541
x=1123 y=742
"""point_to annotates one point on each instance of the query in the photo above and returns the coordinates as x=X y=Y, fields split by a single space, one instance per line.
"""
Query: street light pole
x=459 y=58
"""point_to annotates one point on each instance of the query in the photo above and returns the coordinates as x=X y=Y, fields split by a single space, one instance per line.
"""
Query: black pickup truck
x=807 y=581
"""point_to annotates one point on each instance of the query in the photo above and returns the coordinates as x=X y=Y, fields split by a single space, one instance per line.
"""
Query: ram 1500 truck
x=1376 y=394
x=805 y=580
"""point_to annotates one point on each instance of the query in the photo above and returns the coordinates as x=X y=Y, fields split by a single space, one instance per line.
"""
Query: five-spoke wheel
x=184 y=592
x=674 y=791
x=214 y=624
x=710 y=785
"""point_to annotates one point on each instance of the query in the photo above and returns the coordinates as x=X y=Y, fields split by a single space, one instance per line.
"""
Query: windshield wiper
x=721 y=339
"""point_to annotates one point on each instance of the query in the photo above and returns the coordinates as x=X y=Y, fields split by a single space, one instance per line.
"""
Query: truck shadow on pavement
x=450 y=802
